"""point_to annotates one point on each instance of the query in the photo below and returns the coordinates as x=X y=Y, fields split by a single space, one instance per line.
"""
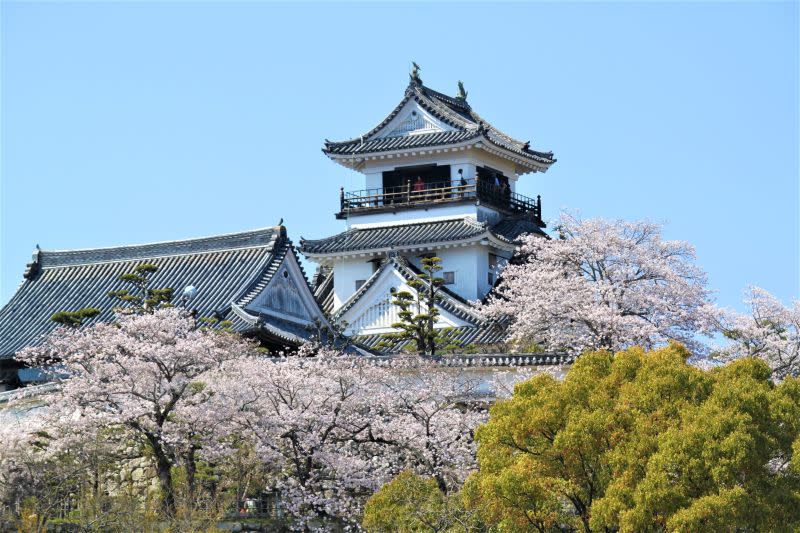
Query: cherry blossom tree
x=334 y=428
x=603 y=285
x=328 y=429
x=432 y=416
x=46 y=461
x=144 y=375
x=770 y=331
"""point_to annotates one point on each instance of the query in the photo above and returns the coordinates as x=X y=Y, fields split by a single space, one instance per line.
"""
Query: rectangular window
x=449 y=278
x=359 y=283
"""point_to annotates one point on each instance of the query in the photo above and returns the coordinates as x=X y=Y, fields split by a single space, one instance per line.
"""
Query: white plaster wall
x=482 y=266
x=374 y=180
x=413 y=215
x=345 y=274
x=468 y=168
x=466 y=263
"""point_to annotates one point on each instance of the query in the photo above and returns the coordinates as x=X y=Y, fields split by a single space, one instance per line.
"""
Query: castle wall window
x=449 y=278
x=359 y=283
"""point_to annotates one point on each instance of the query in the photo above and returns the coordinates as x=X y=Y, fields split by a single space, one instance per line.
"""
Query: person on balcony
x=505 y=193
x=462 y=183
x=419 y=186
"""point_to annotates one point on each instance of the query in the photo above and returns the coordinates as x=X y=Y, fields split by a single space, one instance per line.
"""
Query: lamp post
x=189 y=292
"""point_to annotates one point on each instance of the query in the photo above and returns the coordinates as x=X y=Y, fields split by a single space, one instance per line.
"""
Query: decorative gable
x=374 y=313
x=380 y=315
x=283 y=296
x=287 y=295
x=412 y=120
x=414 y=123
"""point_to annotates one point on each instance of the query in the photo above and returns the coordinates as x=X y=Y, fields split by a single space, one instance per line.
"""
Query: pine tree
x=418 y=312
x=142 y=298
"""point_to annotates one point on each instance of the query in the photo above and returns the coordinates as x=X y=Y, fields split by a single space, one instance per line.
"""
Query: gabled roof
x=456 y=113
x=227 y=270
x=480 y=330
x=395 y=237
x=448 y=300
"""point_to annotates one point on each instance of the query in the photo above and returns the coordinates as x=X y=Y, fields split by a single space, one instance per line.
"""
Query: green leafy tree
x=641 y=442
x=141 y=297
x=418 y=313
x=412 y=503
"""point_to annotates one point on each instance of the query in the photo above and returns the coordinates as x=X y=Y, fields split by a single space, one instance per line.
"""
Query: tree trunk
x=164 y=472
x=191 y=470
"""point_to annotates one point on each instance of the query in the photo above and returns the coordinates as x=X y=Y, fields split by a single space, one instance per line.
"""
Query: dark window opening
x=449 y=278
x=491 y=176
x=421 y=176
x=360 y=283
x=493 y=186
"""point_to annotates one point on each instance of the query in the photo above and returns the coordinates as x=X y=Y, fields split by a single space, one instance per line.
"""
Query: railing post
x=538 y=210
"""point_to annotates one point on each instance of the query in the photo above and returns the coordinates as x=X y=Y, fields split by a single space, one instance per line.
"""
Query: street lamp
x=189 y=292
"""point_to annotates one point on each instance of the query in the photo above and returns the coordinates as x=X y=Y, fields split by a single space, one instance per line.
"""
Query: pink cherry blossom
x=603 y=285
x=770 y=331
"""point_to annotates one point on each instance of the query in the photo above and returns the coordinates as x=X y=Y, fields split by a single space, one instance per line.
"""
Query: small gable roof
x=448 y=300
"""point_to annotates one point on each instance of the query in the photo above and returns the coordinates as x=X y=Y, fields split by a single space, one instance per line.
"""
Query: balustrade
x=427 y=194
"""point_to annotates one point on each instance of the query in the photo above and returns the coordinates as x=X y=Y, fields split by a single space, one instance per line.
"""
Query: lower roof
x=376 y=238
x=225 y=269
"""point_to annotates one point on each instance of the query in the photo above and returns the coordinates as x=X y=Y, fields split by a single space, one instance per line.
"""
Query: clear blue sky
x=129 y=123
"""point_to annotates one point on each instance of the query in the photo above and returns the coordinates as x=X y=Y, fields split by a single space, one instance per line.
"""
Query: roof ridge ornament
x=462 y=94
x=415 y=73
x=32 y=268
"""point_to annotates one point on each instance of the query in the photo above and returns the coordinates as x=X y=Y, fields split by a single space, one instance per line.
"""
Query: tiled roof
x=386 y=144
x=274 y=327
x=512 y=228
x=455 y=112
x=418 y=233
x=226 y=270
x=323 y=291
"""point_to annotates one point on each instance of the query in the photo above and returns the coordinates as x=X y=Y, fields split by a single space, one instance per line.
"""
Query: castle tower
x=438 y=180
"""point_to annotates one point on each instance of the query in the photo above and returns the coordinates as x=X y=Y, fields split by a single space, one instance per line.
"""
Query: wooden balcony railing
x=431 y=194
